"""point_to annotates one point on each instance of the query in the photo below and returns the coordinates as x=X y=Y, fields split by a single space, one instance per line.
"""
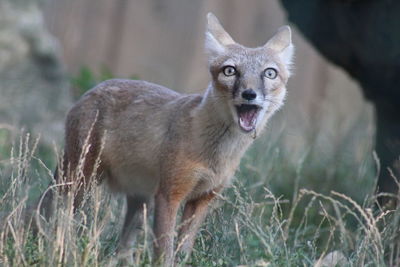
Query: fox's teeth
x=248 y=115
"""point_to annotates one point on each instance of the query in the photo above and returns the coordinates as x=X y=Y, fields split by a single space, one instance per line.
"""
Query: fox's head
x=250 y=80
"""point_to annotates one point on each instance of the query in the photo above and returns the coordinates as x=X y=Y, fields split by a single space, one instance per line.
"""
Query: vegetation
x=87 y=79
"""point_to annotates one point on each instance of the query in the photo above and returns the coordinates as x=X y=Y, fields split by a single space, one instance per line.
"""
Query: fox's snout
x=249 y=94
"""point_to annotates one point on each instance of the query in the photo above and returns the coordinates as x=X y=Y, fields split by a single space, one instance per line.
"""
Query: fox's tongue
x=247 y=117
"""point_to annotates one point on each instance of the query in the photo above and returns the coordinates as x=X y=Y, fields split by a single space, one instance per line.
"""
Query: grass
x=86 y=79
x=276 y=213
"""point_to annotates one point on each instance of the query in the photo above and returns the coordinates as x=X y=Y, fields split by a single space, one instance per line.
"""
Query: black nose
x=249 y=94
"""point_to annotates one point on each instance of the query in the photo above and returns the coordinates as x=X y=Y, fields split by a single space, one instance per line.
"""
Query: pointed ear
x=216 y=37
x=281 y=43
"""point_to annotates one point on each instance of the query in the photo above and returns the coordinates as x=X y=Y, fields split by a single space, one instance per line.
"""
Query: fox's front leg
x=164 y=227
x=193 y=215
x=167 y=201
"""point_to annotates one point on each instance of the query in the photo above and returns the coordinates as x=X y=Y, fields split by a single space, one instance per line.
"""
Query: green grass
x=86 y=79
x=276 y=213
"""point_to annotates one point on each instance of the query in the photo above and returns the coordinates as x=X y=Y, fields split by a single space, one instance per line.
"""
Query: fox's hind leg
x=83 y=147
x=133 y=222
x=80 y=164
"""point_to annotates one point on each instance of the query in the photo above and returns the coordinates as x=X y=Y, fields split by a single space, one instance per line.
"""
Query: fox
x=170 y=150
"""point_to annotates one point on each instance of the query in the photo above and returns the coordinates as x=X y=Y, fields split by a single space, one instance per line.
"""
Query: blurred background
x=53 y=50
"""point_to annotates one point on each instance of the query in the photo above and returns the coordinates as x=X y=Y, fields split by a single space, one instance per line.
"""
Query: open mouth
x=247 y=116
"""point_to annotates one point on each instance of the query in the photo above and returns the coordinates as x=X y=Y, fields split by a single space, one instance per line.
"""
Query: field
x=276 y=213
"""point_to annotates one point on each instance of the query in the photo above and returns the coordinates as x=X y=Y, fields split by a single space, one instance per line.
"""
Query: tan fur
x=175 y=148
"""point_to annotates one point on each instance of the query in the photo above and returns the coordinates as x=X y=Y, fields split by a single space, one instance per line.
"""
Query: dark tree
x=362 y=37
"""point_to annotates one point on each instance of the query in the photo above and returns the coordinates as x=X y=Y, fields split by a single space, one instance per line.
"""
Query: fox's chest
x=208 y=179
x=205 y=186
x=219 y=162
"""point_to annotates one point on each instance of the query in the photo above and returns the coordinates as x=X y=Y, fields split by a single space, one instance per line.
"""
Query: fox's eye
x=229 y=71
x=270 y=73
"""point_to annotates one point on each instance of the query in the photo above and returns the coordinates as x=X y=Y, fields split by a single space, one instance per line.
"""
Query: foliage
x=87 y=79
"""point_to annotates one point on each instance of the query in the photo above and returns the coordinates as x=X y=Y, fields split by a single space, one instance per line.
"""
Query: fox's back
x=131 y=118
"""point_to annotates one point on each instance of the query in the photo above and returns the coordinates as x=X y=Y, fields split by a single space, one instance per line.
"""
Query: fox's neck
x=213 y=114
x=215 y=130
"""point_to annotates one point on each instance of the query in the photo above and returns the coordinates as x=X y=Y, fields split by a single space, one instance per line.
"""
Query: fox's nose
x=249 y=94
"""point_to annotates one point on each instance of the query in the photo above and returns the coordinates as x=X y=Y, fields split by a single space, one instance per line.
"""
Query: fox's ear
x=281 y=43
x=216 y=37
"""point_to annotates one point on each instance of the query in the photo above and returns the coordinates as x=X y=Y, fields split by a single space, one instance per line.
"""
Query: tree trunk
x=388 y=145
x=362 y=37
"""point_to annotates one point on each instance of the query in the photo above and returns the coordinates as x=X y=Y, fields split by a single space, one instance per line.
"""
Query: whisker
x=272 y=101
